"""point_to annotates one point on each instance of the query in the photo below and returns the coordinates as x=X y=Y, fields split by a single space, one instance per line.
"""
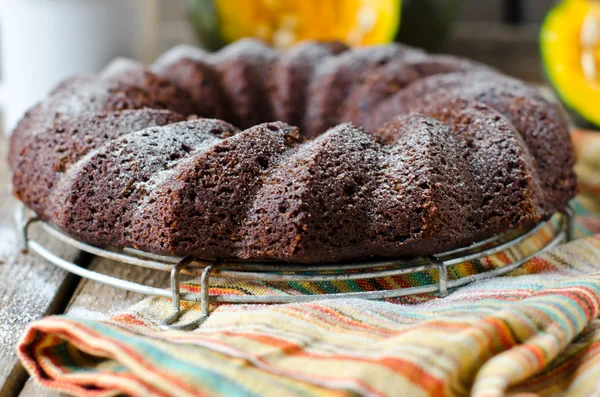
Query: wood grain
x=94 y=301
x=29 y=287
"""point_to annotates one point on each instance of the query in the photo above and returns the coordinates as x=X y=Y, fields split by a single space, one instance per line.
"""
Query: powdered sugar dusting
x=308 y=51
x=248 y=49
x=8 y=242
x=119 y=66
x=357 y=59
x=177 y=53
x=204 y=128
x=160 y=179
x=63 y=187
x=170 y=170
x=87 y=314
x=26 y=290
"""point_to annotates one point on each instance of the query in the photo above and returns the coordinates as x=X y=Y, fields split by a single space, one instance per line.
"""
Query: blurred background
x=42 y=41
x=502 y=33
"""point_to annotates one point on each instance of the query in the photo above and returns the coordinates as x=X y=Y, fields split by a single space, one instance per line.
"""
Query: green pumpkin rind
x=205 y=21
x=574 y=115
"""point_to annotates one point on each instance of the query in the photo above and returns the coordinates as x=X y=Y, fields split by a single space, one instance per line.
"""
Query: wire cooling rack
x=282 y=272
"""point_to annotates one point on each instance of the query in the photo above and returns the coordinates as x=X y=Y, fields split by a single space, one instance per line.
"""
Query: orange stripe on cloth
x=414 y=373
x=92 y=342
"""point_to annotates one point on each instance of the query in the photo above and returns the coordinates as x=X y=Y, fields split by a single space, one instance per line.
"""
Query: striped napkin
x=535 y=332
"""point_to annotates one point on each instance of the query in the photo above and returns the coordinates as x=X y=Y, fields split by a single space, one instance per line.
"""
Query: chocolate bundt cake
x=318 y=154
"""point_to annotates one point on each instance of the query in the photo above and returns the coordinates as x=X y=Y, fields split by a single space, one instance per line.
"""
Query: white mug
x=44 y=41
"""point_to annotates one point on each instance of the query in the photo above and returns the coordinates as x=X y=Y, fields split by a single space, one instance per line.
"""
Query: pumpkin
x=285 y=22
x=570 y=51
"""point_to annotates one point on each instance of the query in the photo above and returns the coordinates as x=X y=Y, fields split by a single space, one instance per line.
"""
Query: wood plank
x=96 y=301
x=29 y=287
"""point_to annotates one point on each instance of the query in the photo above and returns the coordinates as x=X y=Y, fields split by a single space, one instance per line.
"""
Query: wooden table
x=31 y=288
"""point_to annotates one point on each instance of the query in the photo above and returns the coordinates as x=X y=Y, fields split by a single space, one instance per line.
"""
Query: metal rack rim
x=283 y=272
x=165 y=263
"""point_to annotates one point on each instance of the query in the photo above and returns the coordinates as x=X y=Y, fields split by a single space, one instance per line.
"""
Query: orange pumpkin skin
x=283 y=23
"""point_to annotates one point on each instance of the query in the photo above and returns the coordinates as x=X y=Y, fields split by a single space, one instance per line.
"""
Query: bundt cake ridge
x=318 y=154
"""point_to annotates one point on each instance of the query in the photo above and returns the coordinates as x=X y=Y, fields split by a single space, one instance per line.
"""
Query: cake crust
x=315 y=155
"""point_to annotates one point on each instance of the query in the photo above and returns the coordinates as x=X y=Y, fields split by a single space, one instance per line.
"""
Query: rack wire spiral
x=285 y=272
